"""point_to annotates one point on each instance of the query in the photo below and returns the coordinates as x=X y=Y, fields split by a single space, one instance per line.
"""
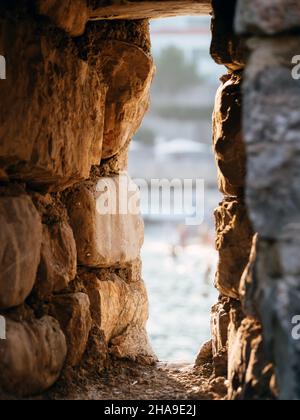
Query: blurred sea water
x=179 y=262
x=181 y=292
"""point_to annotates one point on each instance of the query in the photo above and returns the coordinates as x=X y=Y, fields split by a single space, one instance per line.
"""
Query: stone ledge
x=72 y=16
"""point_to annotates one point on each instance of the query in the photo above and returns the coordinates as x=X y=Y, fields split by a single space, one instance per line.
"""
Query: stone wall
x=70 y=285
x=76 y=90
x=237 y=342
x=256 y=136
x=72 y=15
x=271 y=132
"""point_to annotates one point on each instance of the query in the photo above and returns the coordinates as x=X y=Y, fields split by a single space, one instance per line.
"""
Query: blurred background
x=175 y=141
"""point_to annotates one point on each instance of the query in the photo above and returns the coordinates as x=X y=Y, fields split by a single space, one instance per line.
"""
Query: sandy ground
x=129 y=381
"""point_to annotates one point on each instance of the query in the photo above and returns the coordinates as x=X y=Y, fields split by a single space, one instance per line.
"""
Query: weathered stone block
x=58 y=264
x=205 y=354
x=226 y=48
x=234 y=243
x=219 y=323
x=106 y=222
x=46 y=140
x=32 y=356
x=271 y=126
x=219 y=330
x=275 y=295
x=73 y=313
x=72 y=15
x=268 y=17
x=128 y=73
x=250 y=374
x=227 y=135
x=20 y=239
x=271 y=131
x=121 y=311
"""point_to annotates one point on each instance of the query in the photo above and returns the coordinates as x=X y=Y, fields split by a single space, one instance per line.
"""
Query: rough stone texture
x=226 y=48
x=20 y=239
x=32 y=356
x=274 y=295
x=72 y=16
x=128 y=72
x=268 y=17
x=234 y=243
x=73 y=313
x=220 y=318
x=250 y=374
x=227 y=136
x=121 y=311
x=52 y=99
x=205 y=354
x=134 y=32
x=104 y=233
x=58 y=264
x=271 y=127
x=219 y=330
x=237 y=332
x=114 y=165
x=247 y=285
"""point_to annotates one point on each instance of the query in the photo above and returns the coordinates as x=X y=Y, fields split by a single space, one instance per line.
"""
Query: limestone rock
x=268 y=17
x=234 y=243
x=205 y=354
x=133 y=345
x=271 y=131
x=72 y=15
x=58 y=264
x=32 y=356
x=275 y=295
x=128 y=73
x=249 y=372
x=227 y=134
x=121 y=311
x=247 y=289
x=73 y=313
x=271 y=125
x=20 y=239
x=106 y=222
x=219 y=329
x=220 y=321
x=226 y=47
x=52 y=111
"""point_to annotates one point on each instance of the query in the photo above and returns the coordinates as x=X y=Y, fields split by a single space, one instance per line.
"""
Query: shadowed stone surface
x=32 y=356
x=58 y=264
x=73 y=313
x=271 y=132
x=20 y=239
x=52 y=107
x=226 y=47
x=267 y=17
x=227 y=136
x=234 y=242
x=72 y=15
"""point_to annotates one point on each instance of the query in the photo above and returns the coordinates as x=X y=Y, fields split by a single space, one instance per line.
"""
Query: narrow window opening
x=174 y=144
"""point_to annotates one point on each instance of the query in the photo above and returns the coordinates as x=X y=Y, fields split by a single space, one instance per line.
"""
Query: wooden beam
x=73 y=15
